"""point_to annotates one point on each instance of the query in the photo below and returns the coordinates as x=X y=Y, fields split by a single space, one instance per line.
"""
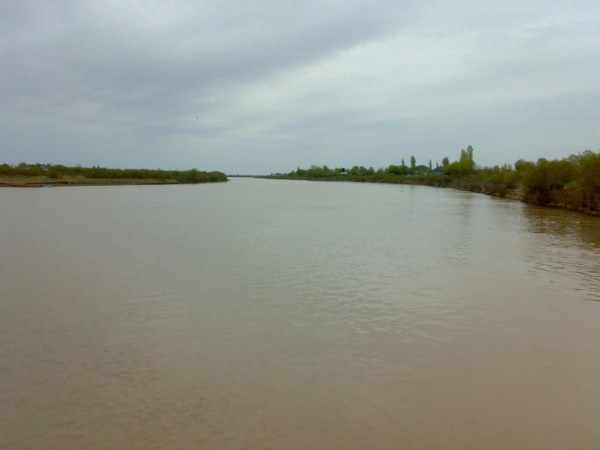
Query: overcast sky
x=257 y=87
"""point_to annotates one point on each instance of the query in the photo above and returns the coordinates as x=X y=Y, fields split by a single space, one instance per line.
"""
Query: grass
x=40 y=181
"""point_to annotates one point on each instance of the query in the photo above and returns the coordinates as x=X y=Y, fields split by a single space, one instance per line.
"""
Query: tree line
x=571 y=183
x=463 y=166
x=57 y=171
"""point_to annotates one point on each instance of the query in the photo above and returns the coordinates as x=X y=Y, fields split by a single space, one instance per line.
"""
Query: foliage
x=572 y=182
x=589 y=176
x=464 y=166
x=57 y=171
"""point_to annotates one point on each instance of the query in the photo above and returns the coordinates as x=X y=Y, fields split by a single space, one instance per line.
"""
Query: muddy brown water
x=263 y=314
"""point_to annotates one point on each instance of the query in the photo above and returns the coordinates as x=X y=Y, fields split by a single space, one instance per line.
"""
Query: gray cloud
x=267 y=86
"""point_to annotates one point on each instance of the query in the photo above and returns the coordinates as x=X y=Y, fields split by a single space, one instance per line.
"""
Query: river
x=269 y=314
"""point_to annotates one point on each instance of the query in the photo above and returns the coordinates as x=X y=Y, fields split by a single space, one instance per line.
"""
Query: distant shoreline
x=461 y=184
x=49 y=175
x=40 y=182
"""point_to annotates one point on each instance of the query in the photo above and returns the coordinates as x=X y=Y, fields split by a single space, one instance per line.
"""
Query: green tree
x=590 y=180
x=394 y=170
x=464 y=166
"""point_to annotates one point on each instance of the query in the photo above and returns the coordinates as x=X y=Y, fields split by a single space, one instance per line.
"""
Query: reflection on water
x=572 y=242
x=273 y=314
x=575 y=229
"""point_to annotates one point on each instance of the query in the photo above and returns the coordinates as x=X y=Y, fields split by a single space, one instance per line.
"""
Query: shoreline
x=41 y=182
x=460 y=184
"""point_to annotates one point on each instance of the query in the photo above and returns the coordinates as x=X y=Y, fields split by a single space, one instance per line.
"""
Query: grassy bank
x=571 y=183
x=37 y=175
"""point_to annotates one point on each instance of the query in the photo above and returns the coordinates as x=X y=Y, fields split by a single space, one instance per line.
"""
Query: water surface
x=264 y=314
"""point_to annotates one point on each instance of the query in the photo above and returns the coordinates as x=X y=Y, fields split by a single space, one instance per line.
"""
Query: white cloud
x=263 y=83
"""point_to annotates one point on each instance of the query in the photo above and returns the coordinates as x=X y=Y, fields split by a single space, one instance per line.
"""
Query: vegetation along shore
x=571 y=183
x=39 y=175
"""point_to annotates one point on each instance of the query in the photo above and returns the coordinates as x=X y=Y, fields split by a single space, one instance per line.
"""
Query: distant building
x=438 y=171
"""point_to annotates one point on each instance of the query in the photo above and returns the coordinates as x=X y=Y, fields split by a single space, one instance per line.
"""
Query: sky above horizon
x=261 y=87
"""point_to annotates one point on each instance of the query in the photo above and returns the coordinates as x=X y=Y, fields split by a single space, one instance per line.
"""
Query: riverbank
x=567 y=199
x=46 y=175
x=38 y=182
x=571 y=183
